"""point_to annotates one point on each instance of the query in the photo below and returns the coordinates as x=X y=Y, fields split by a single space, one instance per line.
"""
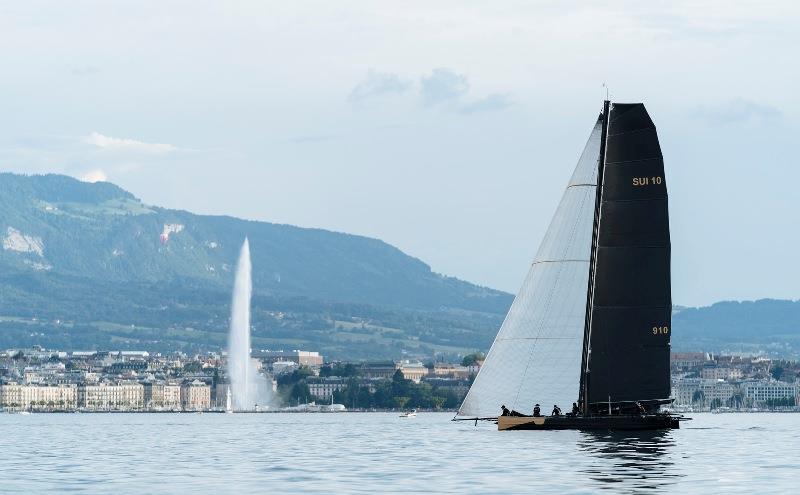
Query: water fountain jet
x=248 y=387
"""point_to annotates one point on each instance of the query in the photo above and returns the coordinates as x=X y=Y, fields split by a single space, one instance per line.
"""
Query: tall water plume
x=248 y=387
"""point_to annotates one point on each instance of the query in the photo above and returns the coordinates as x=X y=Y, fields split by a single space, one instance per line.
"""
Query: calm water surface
x=368 y=453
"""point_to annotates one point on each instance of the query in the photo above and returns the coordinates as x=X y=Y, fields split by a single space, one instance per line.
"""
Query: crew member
x=575 y=409
x=506 y=412
x=536 y=411
x=556 y=411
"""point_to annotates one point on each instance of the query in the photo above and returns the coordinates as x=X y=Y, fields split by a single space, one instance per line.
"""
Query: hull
x=649 y=422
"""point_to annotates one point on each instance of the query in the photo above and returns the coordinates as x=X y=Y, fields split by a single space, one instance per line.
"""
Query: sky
x=448 y=129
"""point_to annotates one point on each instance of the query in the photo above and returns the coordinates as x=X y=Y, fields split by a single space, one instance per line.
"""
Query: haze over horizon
x=447 y=132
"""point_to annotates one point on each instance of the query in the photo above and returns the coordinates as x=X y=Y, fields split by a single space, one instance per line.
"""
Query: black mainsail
x=608 y=345
x=629 y=321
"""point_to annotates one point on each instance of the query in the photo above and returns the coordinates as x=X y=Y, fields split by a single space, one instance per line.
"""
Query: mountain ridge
x=58 y=224
x=88 y=265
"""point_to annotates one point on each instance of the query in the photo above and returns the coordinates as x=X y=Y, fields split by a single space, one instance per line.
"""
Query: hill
x=766 y=326
x=93 y=256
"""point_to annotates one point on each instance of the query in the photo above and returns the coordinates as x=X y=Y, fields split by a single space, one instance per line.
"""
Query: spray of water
x=248 y=387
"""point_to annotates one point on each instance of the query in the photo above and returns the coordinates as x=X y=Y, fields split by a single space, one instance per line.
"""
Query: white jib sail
x=536 y=356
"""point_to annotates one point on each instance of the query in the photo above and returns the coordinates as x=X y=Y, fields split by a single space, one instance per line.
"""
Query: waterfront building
x=162 y=396
x=106 y=396
x=19 y=396
x=703 y=393
x=323 y=388
x=195 y=396
x=759 y=392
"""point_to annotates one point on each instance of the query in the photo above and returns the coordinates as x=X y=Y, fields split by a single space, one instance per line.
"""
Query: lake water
x=368 y=453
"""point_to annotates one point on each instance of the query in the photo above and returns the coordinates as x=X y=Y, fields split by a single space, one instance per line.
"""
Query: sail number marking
x=647 y=181
x=660 y=330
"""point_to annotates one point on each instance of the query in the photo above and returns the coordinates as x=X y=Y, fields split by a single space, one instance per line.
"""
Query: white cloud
x=112 y=143
x=443 y=85
x=492 y=102
x=378 y=84
x=96 y=175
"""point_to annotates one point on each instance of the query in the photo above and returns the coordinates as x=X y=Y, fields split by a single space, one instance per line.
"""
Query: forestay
x=536 y=356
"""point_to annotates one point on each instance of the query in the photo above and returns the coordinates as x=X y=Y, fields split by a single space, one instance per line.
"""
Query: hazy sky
x=448 y=129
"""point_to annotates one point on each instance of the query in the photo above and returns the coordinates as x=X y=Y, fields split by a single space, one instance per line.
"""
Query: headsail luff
x=536 y=356
x=631 y=302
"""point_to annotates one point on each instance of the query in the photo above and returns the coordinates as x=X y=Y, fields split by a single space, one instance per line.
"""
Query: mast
x=584 y=383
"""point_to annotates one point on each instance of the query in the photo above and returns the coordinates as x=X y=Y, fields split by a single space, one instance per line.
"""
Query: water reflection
x=633 y=460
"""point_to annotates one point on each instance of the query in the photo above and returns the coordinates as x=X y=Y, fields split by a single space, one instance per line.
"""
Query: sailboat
x=591 y=325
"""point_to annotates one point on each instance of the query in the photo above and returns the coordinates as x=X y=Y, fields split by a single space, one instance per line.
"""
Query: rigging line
x=559 y=261
x=635 y=200
x=642 y=129
x=660 y=156
x=648 y=246
x=624 y=162
x=581 y=185
x=637 y=306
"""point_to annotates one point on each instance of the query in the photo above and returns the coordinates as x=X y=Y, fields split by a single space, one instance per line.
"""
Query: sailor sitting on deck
x=575 y=410
x=536 y=411
x=556 y=411
x=512 y=412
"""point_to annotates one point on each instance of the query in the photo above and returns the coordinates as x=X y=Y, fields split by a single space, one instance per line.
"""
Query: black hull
x=608 y=423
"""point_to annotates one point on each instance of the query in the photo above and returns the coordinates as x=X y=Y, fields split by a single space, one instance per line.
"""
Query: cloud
x=96 y=175
x=441 y=86
x=736 y=111
x=125 y=144
x=378 y=84
x=490 y=103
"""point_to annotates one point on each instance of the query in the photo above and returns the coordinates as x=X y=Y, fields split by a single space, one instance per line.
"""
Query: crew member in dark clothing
x=556 y=411
x=642 y=410
x=575 y=409
x=506 y=412
x=536 y=411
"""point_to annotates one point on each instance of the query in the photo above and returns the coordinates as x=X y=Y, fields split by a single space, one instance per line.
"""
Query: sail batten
x=536 y=355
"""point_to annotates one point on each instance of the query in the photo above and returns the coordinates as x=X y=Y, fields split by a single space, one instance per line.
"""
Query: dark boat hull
x=614 y=423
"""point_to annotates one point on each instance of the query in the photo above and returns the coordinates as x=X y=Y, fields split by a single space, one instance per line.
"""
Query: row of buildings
x=40 y=379
x=705 y=381
x=120 y=396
